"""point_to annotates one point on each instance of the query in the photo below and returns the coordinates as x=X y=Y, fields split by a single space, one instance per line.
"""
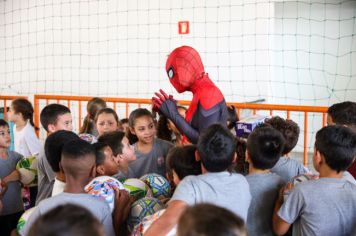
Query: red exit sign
x=183 y=27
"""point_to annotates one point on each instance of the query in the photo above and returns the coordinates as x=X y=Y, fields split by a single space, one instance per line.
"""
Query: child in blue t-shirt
x=11 y=191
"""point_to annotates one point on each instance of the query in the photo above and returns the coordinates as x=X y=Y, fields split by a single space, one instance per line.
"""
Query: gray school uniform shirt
x=287 y=168
x=326 y=206
x=152 y=162
x=46 y=177
x=100 y=209
x=12 y=201
x=224 y=189
x=264 y=190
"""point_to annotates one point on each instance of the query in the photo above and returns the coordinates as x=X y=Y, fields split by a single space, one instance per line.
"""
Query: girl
x=150 y=151
x=25 y=139
x=166 y=129
x=93 y=106
x=106 y=121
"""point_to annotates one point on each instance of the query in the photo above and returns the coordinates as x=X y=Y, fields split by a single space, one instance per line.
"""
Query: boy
x=10 y=195
x=216 y=150
x=326 y=206
x=53 y=149
x=286 y=167
x=53 y=117
x=78 y=163
x=123 y=152
x=69 y=220
x=264 y=147
x=105 y=160
x=344 y=113
x=210 y=220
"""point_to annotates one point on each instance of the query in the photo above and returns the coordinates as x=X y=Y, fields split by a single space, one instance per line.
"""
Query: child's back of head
x=289 y=129
x=264 y=147
x=343 y=113
x=50 y=117
x=181 y=162
x=78 y=160
x=68 y=220
x=24 y=107
x=207 y=219
x=338 y=146
x=216 y=147
x=54 y=145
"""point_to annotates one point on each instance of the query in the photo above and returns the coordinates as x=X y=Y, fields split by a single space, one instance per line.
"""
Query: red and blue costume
x=186 y=73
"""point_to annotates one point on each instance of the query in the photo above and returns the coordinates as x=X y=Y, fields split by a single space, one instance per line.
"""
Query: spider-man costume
x=186 y=73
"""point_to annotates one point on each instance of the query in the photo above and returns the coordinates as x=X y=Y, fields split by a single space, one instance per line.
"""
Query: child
x=69 y=220
x=105 y=160
x=344 y=113
x=123 y=152
x=125 y=125
x=286 y=167
x=326 y=206
x=94 y=105
x=78 y=163
x=11 y=198
x=150 y=151
x=166 y=129
x=181 y=163
x=53 y=117
x=210 y=220
x=53 y=149
x=26 y=141
x=216 y=150
x=264 y=147
x=106 y=120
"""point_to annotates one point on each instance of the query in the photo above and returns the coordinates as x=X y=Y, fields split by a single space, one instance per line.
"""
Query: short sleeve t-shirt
x=45 y=177
x=100 y=209
x=287 y=168
x=326 y=206
x=12 y=201
x=152 y=162
x=224 y=189
x=26 y=142
x=264 y=190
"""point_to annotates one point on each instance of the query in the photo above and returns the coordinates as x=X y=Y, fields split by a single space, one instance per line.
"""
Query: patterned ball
x=27 y=167
x=147 y=221
x=23 y=219
x=142 y=208
x=137 y=188
x=88 y=137
x=104 y=187
x=159 y=185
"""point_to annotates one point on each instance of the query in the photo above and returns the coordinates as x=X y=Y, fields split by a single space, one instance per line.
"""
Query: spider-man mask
x=183 y=67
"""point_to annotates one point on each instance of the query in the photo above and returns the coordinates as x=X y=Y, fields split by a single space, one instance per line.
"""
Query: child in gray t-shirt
x=150 y=151
x=286 y=167
x=326 y=206
x=264 y=147
x=216 y=150
x=78 y=163
x=10 y=196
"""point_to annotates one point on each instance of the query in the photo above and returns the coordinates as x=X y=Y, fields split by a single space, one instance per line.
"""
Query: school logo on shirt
x=160 y=161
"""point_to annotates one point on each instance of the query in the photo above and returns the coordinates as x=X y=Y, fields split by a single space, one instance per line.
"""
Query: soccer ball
x=88 y=137
x=159 y=185
x=27 y=167
x=137 y=188
x=23 y=219
x=142 y=208
x=147 y=221
x=104 y=187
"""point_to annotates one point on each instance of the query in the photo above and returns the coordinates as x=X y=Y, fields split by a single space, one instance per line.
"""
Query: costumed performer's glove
x=165 y=104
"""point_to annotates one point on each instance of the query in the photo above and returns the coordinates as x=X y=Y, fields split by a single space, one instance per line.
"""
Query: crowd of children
x=223 y=185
